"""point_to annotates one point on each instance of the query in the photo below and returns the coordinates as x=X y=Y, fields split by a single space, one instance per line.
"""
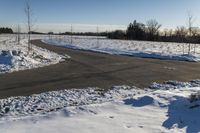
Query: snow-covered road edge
x=146 y=53
x=55 y=100
x=15 y=57
x=163 y=108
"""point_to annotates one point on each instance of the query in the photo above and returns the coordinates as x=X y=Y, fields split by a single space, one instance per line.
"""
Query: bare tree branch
x=152 y=27
x=29 y=13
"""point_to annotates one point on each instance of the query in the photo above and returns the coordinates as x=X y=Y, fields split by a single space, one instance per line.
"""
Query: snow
x=173 y=106
x=15 y=57
x=163 y=108
x=146 y=49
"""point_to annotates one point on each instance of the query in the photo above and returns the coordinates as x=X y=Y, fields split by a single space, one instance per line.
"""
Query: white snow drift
x=147 y=49
x=163 y=108
x=15 y=57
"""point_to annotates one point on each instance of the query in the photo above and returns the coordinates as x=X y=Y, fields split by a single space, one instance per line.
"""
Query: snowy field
x=123 y=109
x=15 y=57
x=160 y=50
x=166 y=108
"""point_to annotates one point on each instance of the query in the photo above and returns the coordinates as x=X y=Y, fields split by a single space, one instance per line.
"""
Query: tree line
x=151 y=31
x=5 y=30
x=83 y=33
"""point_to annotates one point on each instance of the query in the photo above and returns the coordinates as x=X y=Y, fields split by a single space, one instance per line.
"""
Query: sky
x=87 y=15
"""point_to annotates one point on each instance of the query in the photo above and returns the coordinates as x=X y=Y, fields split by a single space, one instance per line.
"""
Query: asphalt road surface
x=90 y=69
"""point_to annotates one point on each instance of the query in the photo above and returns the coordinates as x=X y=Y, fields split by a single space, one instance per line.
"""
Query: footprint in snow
x=111 y=117
x=128 y=126
x=140 y=126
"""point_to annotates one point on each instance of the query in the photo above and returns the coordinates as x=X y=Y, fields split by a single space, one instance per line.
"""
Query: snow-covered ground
x=147 y=49
x=15 y=57
x=123 y=109
x=160 y=108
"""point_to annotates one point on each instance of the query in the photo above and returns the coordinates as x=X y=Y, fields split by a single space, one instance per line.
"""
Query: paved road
x=89 y=69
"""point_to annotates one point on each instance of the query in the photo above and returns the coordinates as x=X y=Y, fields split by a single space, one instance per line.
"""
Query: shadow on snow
x=179 y=113
x=146 y=100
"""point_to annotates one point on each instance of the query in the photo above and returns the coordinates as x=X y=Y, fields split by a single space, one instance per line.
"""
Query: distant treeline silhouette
x=151 y=32
x=5 y=30
x=84 y=33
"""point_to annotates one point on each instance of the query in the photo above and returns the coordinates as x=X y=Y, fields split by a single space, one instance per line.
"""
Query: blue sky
x=52 y=15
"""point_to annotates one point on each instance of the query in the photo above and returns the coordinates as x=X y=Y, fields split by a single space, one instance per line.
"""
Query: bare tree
x=18 y=34
x=29 y=22
x=181 y=33
x=152 y=27
x=71 y=34
x=195 y=33
x=165 y=32
x=190 y=25
x=170 y=32
x=97 y=35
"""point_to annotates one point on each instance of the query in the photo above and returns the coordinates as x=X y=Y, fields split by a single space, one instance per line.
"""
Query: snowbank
x=121 y=109
x=15 y=57
x=146 y=49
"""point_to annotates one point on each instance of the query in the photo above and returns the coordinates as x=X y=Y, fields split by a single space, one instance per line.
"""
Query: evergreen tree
x=5 y=30
x=136 y=31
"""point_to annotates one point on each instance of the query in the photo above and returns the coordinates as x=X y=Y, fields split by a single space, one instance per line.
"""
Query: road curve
x=90 y=69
